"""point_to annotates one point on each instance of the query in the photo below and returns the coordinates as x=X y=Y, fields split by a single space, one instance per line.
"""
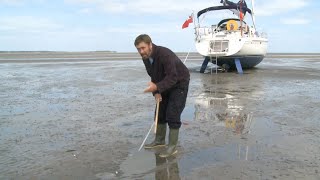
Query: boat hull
x=250 y=55
x=248 y=61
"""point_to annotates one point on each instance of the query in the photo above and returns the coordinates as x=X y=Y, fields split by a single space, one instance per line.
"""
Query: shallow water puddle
x=243 y=137
x=138 y=164
x=147 y=164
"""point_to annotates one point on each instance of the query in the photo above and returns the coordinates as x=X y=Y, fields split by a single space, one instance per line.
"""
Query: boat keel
x=238 y=65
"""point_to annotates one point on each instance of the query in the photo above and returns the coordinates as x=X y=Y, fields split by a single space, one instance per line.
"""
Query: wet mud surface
x=87 y=120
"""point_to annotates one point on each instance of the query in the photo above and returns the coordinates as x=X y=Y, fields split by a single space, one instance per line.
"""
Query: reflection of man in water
x=169 y=84
x=167 y=168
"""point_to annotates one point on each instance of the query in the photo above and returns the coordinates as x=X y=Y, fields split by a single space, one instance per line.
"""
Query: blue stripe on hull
x=246 y=61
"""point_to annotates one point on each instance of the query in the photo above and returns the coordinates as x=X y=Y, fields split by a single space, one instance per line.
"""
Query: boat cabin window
x=222 y=27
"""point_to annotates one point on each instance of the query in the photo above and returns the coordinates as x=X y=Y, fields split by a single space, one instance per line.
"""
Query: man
x=169 y=85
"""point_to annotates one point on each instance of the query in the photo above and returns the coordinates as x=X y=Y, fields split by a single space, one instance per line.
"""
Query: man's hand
x=158 y=97
x=151 y=88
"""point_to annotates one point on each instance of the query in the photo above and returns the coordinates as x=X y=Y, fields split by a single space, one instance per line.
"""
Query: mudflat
x=84 y=116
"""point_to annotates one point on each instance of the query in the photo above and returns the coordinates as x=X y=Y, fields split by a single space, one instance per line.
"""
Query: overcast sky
x=85 y=25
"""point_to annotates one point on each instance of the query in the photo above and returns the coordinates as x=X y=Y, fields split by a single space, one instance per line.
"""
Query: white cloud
x=295 y=21
x=142 y=6
x=142 y=28
x=85 y=11
x=35 y=31
x=12 y=2
x=262 y=8
x=19 y=2
x=273 y=7
x=27 y=24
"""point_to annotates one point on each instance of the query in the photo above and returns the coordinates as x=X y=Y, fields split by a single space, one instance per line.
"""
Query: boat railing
x=203 y=31
x=263 y=35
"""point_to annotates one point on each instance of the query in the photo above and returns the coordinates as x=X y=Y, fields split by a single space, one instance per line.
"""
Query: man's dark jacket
x=167 y=70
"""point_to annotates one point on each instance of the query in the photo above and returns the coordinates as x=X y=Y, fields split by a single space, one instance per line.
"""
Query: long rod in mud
x=146 y=136
x=154 y=123
x=157 y=115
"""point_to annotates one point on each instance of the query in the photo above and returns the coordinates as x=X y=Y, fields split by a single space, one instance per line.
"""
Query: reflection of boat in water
x=227 y=102
x=224 y=111
x=226 y=105
x=231 y=42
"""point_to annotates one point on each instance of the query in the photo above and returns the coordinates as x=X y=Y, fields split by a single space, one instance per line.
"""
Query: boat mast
x=241 y=17
x=194 y=24
x=252 y=14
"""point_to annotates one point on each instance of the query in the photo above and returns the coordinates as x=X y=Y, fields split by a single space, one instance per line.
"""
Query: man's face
x=144 y=49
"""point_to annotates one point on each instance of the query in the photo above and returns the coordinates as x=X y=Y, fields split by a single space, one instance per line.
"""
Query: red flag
x=241 y=16
x=187 y=22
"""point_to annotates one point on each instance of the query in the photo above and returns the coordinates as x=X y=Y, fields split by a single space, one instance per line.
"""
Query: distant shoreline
x=58 y=51
x=115 y=52
x=94 y=56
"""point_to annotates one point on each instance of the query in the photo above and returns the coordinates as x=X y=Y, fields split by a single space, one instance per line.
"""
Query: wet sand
x=85 y=116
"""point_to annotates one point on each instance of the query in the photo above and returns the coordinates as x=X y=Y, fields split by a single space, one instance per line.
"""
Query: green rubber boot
x=173 y=140
x=160 y=137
